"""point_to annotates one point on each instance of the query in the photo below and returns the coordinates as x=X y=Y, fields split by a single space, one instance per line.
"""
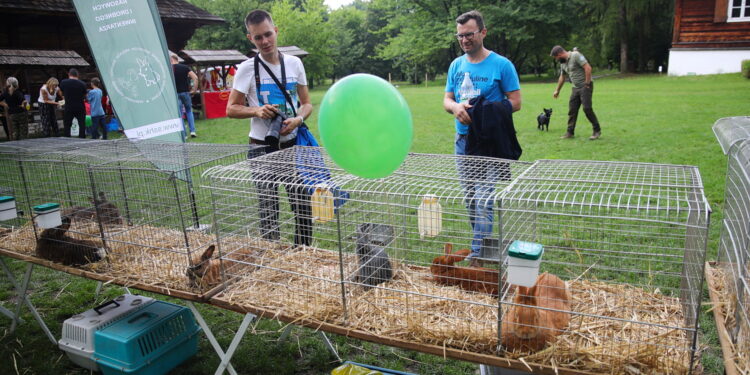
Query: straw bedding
x=304 y=284
x=143 y=255
x=722 y=287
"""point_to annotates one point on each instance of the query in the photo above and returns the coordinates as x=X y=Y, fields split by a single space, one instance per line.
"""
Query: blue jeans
x=478 y=182
x=184 y=101
x=96 y=123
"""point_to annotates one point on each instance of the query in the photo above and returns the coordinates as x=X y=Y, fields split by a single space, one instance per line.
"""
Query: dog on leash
x=542 y=120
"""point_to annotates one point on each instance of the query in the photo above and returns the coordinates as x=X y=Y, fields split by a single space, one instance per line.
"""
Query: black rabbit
x=543 y=119
x=374 y=266
x=53 y=244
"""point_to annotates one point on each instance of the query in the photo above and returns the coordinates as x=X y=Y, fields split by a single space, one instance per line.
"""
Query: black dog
x=543 y=119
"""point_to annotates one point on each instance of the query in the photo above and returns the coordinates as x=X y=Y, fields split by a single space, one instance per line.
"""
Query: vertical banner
x=128 y=43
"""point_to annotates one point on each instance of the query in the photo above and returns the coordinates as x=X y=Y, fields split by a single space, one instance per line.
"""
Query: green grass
x=644 y=118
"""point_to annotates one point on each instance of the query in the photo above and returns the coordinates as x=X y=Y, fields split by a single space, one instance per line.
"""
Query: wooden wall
x=702 y=24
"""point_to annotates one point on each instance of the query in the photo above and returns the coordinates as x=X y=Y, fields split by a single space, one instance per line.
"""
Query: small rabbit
x=477 y=279
x=528 y=328
x=374 y=265
x=110 y=213
x=205 y=271
x=53 y=244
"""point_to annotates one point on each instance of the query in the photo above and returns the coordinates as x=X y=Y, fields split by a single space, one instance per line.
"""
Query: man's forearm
x=448 y=105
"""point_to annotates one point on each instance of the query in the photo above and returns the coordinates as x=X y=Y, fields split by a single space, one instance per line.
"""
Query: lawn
x=644 y=118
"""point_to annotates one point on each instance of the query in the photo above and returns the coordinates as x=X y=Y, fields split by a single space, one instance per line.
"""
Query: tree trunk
x=642 y=58
x=623 y=25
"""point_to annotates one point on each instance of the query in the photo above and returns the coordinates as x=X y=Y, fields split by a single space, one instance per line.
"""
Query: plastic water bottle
x=429 y=216
x=322 y=204
x=467 y=91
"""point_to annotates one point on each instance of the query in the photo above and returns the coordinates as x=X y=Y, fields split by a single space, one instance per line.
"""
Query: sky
x=334 y=4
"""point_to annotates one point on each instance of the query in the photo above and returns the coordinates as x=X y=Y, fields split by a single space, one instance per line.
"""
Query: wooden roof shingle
x=168 y=9
x=41 y=57
x=212 y=57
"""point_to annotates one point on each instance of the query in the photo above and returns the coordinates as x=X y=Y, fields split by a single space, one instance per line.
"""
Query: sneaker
x=596 y=135
x=193 y=135
x=567 y=135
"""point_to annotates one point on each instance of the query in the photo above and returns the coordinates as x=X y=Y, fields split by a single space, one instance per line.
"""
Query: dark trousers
x=49 y=120
x=268 y=196
x=96 y=123
x=80 y=115
x=577 y=97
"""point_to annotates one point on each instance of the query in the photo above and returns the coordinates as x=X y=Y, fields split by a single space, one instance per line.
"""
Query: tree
x=229 y=36
x=306 y=28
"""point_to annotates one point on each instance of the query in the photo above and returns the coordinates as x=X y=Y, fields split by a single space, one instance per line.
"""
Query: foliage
x=746 y=68
x=304 y=25
x=229 y=36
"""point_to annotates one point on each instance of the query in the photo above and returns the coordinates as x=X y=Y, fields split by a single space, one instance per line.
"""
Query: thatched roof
x=168 y=9
x=214 y=57
x=290 y=50
x=41 y=57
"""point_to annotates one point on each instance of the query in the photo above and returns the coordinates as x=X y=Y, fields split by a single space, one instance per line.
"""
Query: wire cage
x=161 y=214
x=389 y=256
x=11 y=179
x=734 y=245
x=630 y=240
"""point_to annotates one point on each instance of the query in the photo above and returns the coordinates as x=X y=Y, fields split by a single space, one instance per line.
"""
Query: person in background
x=74 y=91
x=94 y=97
x=478 y=72
x=47 y=107
x=14 y=101
x=186 y=83
x=574 y=65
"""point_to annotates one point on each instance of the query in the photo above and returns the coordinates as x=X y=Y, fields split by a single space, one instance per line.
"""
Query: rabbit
x=204 y=270
x=110 y=213
x=374 y=265
x=53 y=244
x=527 y=328
x=477 y=279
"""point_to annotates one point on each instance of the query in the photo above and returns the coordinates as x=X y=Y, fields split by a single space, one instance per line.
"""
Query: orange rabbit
x=475 y=279
x=204 y=272
x=528 y=328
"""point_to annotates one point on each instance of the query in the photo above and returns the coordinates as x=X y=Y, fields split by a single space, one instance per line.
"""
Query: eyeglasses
x=467 y=36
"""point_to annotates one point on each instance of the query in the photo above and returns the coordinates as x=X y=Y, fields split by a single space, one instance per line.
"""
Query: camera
x=274 y=128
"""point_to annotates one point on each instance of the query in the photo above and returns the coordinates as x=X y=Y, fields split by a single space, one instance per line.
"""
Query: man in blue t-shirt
x=478 y=72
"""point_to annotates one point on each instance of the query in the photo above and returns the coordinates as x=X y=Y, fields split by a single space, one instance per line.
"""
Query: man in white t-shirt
x=266 y=101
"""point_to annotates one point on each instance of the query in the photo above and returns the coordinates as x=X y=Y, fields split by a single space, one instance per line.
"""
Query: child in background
x=94 y=98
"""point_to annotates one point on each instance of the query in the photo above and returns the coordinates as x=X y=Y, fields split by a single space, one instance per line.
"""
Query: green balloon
x=365 y=125
x=88 y=121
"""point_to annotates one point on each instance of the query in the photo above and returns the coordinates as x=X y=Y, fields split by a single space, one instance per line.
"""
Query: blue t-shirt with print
x=95 y=101
x=492 y=77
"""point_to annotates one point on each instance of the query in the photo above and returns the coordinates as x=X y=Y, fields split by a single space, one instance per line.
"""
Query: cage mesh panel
x=643 y=225
x=11 y=180
x=734 y=245
x=730 y=130
x=308 y=281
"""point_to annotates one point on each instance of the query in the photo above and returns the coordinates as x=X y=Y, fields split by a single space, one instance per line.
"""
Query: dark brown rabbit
x=53 y=244
x=109 y=212
x=529 y=328
x=475 y=279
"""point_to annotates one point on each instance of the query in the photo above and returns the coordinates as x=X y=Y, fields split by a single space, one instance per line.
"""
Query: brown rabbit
x=205 y=271
x=110 y=213
x=528 y=328
x=475 y=279
x=53 y=244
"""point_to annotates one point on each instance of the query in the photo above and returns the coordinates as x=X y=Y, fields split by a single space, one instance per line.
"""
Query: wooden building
x=710 y=36
x=53 y=25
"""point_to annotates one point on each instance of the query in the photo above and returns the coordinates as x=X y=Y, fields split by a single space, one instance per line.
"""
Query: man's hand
x=267 y=111
x=556 y=94
x=459 y=111
x=290 y=124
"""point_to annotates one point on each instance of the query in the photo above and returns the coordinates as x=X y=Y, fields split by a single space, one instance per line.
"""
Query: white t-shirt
x=244 y=82
x=52 y=96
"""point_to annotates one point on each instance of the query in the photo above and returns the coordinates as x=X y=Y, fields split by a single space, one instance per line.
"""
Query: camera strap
x=281 y=85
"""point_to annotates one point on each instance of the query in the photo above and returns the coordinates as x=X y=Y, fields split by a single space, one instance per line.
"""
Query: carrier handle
x=105 y=304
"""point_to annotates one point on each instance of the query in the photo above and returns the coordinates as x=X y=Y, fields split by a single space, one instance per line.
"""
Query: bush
x=746 y=68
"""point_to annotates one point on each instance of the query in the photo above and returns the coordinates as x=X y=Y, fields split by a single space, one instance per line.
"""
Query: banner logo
x=142 y=78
